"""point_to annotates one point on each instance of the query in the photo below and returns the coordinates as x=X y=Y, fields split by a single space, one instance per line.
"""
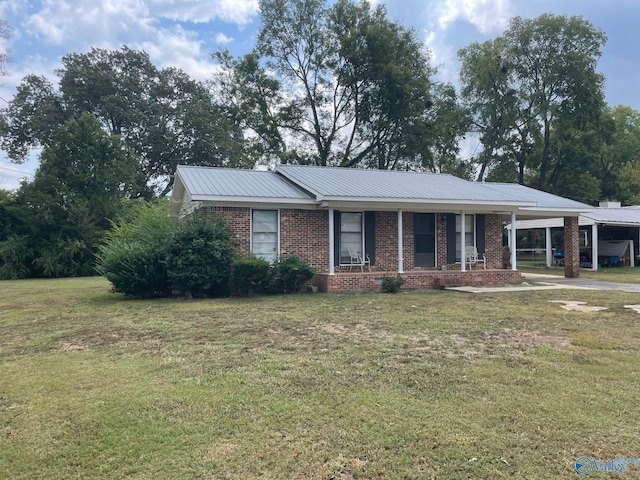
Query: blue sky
x=183 y=34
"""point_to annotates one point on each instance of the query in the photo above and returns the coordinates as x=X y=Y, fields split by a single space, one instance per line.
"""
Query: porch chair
x=359 y=260
x=473 y=258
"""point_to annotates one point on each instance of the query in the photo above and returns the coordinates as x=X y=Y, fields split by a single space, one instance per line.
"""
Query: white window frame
x=473 y=232
x=277 y=252
x=361 y=252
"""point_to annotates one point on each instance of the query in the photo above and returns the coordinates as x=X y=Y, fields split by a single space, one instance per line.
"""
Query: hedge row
x=151 y=255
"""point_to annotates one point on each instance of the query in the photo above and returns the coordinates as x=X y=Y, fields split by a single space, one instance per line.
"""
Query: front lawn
x=433 y=384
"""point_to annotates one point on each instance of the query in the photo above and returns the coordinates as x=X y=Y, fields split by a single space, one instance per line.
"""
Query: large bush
x=250 y=275
x=289 y=274
x=16 y=254
x=133 y=256
x=199 y=258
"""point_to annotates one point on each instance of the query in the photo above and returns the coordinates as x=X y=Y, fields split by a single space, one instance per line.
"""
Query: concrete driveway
x=585 y=283
x=536 y=281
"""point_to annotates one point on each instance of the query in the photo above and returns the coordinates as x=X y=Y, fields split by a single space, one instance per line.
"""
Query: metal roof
x=539 y=198
x=334 y=183
x=209 y=183
x=344 y=187
x=619 y=216
x=615 y=216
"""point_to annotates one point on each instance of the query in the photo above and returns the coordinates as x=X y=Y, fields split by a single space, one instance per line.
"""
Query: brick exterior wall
x=417 y=280
x=441 y=241
x=239 y=220
x=306 y=233
x=386 y=242
x=571 y=247
x=493 y=240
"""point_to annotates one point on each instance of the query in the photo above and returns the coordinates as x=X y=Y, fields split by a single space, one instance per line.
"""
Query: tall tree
x=163 y=115
x=517 y=85
x=77 y=190
x=337 y=85
x=619 y=163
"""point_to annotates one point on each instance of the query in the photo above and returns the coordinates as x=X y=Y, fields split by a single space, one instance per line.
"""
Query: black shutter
x=336 y=237
x=451 y=238
x=370 y=236
x=480 y=234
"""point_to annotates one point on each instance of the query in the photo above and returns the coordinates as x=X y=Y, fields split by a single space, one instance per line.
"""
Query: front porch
x=418 y=279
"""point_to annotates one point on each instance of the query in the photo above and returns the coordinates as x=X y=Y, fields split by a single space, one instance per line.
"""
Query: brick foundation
x=352 y=282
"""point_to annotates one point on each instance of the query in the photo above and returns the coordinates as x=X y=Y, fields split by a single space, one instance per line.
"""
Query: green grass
x=433 y=384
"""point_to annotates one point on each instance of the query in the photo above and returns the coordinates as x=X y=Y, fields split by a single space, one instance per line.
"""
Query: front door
x=424 y=228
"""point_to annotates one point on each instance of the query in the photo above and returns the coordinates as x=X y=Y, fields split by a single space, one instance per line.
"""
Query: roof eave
x=431 y=201
x=253 y=200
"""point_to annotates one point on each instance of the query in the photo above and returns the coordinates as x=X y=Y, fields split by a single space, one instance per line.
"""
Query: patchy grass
x=431 y=384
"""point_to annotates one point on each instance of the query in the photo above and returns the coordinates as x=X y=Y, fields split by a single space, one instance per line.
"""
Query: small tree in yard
x=199 y=258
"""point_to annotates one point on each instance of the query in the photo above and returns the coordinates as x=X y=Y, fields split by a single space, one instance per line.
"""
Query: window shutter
x=336 y=238
x=370 y=235
x=480 y=234
x=451 y=238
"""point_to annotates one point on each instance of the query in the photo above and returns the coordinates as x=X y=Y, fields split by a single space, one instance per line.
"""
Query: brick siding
x=306 y=233
x=571 y=247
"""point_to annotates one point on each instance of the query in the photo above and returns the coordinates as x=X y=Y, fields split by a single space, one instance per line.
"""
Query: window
x=350 y=235
x=470 y=234
x=264 y=234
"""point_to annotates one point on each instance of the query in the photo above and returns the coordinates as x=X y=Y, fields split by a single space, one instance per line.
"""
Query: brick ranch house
x=415 y=225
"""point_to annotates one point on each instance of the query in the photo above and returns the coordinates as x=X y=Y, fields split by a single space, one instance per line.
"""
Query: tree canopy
x=540 y=74
x=339 y=85
x=162 y=115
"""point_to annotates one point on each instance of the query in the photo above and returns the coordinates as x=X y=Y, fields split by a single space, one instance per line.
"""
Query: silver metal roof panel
x=334 y=183
x=209 y=183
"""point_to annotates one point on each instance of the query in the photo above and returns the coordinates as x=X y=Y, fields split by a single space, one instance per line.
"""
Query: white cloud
x=91 y=23
x=240 y=12
x=181 y=49
x=488 y=16
x=222 y=39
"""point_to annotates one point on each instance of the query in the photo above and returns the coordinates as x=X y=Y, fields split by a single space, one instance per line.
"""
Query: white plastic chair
x=359 y=260
x=473 y=258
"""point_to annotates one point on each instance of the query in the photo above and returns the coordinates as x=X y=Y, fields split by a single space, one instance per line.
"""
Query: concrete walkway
x=584 y=283
x=535 y=281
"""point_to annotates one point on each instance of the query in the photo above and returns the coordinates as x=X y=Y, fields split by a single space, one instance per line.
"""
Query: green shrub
x=133 y=255
x=289 y=274
x=250 y=275
x=392 y=284
x=199 y=258
x=16 y=257
x=135 y=268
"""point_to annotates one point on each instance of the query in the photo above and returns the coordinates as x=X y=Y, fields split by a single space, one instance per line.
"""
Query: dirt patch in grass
x=70 y=347
x=508 y=341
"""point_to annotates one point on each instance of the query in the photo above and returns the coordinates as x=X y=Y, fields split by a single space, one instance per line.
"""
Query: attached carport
x=611 y=231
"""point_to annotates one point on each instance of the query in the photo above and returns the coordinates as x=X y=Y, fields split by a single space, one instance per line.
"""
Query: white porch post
x=400 y=246
x=548 y=247
x=513 y=241
x=463 y=259
x=332 y=253
x=594 y=247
